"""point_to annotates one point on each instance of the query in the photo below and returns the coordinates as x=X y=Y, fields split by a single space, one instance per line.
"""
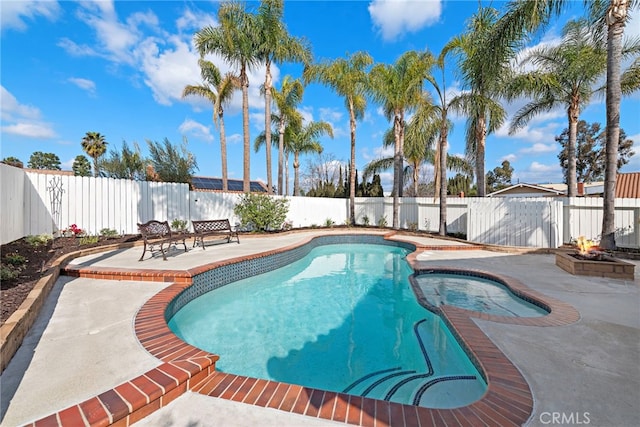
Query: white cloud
x=539 y=148
x=168 y=71
x=235 y=138
x=196 y=130
x=394 y=18
x=307 y=114
x=330 y=114
x=84 y=84
x=539 y=173
x=22 y=120
x=10 y=107
x=509 y=157
x=30 y=130
x=15 y=13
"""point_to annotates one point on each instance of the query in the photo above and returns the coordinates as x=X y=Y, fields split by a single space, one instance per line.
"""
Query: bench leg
x=144 y=250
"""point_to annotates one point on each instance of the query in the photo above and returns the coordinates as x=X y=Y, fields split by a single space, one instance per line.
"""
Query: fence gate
x=510 y=221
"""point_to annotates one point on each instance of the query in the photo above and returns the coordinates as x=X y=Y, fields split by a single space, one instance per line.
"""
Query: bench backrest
x=212 y=225
x=155 y=228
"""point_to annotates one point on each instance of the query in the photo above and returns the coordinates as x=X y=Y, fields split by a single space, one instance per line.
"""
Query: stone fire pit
x=601 y=266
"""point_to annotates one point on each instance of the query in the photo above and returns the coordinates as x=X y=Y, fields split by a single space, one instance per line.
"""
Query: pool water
x=343 y=319
x=474 y=293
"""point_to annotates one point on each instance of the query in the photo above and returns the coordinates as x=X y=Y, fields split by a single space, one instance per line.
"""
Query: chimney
x=581 y=189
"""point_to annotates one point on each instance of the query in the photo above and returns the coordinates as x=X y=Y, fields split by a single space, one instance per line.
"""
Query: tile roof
x=628 y=185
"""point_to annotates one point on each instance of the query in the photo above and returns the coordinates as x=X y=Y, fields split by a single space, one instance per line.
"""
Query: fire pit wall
x=605 y=267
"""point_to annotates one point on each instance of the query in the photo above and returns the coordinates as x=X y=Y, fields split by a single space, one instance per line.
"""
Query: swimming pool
x=341 y=318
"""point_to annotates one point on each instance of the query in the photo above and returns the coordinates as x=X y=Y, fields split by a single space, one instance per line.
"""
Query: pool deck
x=87 y=342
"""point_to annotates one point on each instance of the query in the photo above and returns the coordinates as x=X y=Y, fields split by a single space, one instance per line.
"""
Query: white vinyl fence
x=37 y=203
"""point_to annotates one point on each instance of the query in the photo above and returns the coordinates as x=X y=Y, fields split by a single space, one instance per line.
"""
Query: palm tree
x=563 y=75
x=275 y=46
x=523 y=17
x=443 y=124
x=348 y=78
x=218 y=90
x=94 y=145
x=480 y=102
x=398 y=88
x=235 y=39
x=304 y=139
x=421 y=132
x=286 y=100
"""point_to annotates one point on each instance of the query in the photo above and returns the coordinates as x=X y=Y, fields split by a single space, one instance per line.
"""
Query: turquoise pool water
x=474 y=293
x=343 y=318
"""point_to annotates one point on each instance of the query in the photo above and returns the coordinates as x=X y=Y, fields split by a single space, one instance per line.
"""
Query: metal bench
x=159 y=233
x=213 y=227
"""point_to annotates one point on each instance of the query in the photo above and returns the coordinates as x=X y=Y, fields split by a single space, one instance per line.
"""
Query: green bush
x=365 y=220
x=7 y=273
x=15 y=260
x=87 y=240
x=261 y=212
x=108 y=232
x=178 y=224
x=38 y=240
x=329 y=222
x=382 y=222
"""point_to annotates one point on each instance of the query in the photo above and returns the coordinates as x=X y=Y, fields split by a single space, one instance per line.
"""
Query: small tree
x=13 y=161
x=81 y=166
x=172 y=163
x=40 y=160
x=499 y=177
x=262 y=212
x=590 y=151
x=125 y=164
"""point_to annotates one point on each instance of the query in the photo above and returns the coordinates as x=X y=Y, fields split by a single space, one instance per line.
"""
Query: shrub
x=39 y=240
x=382 y=222
x=261 y=211
x=413 y=226
x=87 y=240
x=7 y=273
x=16 y=260
x=108 y=232
x=329 y=222
x=178 y=224
x=365 y=220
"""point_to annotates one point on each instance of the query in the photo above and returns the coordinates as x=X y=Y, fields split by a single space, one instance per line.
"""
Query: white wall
x=96 y=203
x=11 y=203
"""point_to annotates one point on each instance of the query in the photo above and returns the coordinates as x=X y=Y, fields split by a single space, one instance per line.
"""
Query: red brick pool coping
x=507 y=400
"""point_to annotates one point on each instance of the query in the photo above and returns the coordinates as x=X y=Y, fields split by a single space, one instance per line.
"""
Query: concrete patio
x=84 y=340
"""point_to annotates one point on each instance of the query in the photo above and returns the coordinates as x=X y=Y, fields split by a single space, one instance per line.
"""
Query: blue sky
x=119 y=68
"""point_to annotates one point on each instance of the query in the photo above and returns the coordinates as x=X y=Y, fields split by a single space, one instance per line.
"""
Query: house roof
x=518 y=189
x=628 y=185
x=205 y=183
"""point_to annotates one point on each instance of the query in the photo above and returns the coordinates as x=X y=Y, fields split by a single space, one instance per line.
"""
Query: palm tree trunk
x=246 y=176
x=95 y=167
x=281 y=156
x=480 y=153
x=615 y=30
x=416 y=177
x=286 y=173
x=442 y=173
x=571 y=151
x=296 y=179
x=267 y=123
x=223 y=154
x=352 y=169
x=397 y=169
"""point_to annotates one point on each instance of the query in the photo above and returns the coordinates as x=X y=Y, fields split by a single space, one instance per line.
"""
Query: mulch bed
x=38 y=259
